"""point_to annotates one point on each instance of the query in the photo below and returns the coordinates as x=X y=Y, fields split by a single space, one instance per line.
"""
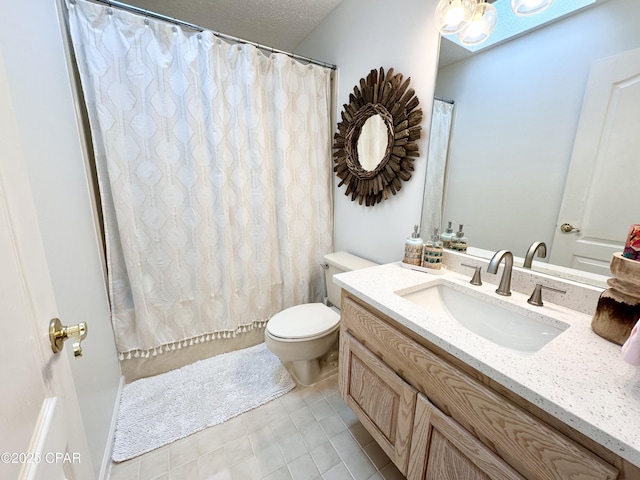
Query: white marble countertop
x=578 y=377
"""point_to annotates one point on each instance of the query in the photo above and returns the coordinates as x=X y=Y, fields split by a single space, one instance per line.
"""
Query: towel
x=631 y=348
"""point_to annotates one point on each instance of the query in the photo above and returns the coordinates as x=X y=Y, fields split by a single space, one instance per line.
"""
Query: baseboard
x=105 y=469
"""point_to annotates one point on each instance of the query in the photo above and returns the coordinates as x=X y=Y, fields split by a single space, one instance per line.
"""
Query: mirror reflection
x=372 y=142
x=519 y=138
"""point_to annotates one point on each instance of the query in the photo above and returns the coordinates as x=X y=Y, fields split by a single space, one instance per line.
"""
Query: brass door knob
x=58 y=333
x=568 y=228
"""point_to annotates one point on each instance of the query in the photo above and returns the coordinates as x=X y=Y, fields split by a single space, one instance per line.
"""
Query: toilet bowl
x=303 y=334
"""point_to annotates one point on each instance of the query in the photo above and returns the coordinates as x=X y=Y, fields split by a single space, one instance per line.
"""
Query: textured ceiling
x=280 y=24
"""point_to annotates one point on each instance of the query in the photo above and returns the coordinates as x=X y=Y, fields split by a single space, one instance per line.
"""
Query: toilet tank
x=339 y=262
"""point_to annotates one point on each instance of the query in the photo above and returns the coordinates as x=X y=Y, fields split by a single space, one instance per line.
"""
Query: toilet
x=303 y=334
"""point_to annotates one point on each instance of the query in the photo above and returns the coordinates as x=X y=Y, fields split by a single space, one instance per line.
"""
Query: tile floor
x=307 y=434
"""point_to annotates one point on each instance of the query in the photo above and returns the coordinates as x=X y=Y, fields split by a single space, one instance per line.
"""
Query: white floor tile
x=313 y=435
x=332 y=425
x=339 y=472
x=304 y=468
x=303 y=418
x=360 y=466
x=307 y=434
x=321 y=409
x=247 y=470
x=283 y=428
x=125 y=470
x=186 y=470
x=238 y=450
x=261 y=439
x=325 y=457
x=154 y=464
x=185 y=451
x=281 y=474
x=345 y=444
x=270 y=460
x=212 y=463
x=293 y=447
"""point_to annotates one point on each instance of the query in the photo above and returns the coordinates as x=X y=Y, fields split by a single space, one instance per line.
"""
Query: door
x=41 y=433
x=600 y=197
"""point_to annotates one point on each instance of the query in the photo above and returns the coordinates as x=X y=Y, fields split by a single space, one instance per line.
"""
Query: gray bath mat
x=159 y=410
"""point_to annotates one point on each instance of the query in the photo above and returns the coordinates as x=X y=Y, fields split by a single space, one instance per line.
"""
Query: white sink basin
x=500 y=325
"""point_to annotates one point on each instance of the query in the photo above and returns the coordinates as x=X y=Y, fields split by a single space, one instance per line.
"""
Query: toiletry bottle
x=432 y=257
x=459 y=241
x=413 y=248
x=447 y=236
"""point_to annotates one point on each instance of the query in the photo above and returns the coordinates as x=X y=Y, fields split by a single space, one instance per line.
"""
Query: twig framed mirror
x=375 y=145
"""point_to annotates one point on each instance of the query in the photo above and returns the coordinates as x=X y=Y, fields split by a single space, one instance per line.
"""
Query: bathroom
x=356 y=37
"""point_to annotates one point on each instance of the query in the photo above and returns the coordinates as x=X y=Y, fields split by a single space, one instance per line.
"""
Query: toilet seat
x=303 y=322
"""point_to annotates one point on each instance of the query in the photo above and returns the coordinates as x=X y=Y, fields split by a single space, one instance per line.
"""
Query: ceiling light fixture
x=482 y=24
x=529 y=7
x=453 y=16
x=475 y=20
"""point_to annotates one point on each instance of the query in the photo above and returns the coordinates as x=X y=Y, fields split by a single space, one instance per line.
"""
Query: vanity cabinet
x=437 y=420
x=421 y=441
x=383 y=402
x=441 y=449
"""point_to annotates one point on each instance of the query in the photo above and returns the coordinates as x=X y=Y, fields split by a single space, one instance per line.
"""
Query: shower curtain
x=433 y=207
x=214 y=171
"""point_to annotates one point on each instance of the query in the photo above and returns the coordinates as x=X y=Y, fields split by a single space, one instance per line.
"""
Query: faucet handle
x=536 y=296
x=476 y=280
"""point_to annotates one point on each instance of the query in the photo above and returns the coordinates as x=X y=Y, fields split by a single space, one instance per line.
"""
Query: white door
x=41 y=432
x=601 y=193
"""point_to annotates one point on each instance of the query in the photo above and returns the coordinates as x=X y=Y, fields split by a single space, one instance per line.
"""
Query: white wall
x=31 y=43
x=517 y=111
x=358 y=36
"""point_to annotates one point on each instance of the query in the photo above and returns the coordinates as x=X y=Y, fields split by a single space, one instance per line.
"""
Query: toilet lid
x=301 y=321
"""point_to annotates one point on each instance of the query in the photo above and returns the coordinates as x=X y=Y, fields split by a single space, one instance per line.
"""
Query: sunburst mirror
x=375 y=145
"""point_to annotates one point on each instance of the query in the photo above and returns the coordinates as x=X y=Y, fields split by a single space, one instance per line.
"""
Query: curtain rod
x=159 y=16
x=446 y=100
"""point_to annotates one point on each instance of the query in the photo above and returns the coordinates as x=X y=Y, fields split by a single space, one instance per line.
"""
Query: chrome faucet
x=541 y=247
x=505 y=282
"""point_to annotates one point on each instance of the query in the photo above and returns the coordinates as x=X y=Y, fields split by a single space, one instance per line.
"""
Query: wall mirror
x=375 y=144
x=372 y=142
x=517 y=121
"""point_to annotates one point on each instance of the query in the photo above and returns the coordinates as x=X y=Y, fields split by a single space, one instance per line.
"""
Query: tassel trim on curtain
x=188 y=342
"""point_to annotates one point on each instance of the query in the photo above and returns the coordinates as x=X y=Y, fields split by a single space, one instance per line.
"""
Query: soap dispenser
x=459 y=241
x=432 y=257
x=413 y=248
x=447 y=236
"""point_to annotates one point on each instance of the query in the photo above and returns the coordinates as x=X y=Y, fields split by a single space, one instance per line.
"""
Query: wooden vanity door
x=381 y=400
x=443 y=450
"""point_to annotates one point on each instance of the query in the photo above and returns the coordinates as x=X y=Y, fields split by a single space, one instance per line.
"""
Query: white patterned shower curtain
x=434 y=189
x=214 y=171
